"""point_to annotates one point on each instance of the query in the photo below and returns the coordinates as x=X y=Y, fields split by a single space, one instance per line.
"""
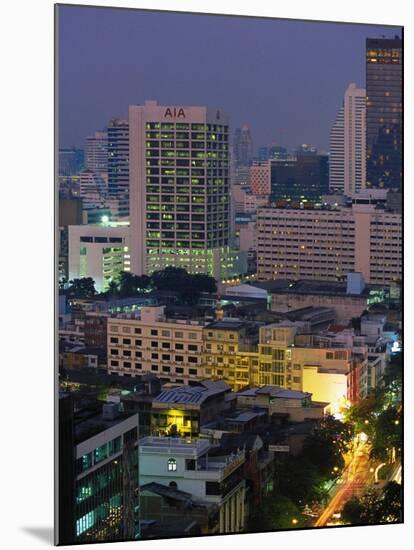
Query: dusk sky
x=286 y=79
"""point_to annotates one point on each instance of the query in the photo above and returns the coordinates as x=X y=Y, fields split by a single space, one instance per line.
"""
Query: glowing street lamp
x=294 y=521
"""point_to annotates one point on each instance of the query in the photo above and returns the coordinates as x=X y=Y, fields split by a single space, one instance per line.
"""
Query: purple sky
x=285 y=79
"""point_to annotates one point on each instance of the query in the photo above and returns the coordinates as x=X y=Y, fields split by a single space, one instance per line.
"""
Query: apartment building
x=148 y=341
x=326 y=244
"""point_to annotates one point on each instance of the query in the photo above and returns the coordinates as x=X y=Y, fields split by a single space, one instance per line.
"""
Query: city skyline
x=302 y=106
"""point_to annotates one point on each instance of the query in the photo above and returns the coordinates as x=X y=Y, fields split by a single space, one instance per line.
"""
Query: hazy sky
x=285 y=79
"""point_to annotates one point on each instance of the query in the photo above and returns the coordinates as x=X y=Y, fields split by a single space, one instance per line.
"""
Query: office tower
x=93 y=186
x=71 y=161
x=179 y=189
x=243 y=146
x=347 y=167
x=306 y=149
x=97 y=152
x=327 y=244
x=384 y=112
x=118 y=161
x=304 y=177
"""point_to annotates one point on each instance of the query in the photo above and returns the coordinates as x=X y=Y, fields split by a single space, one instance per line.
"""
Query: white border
x=28 y=270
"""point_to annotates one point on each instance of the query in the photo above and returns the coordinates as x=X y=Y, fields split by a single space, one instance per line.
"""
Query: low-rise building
x=183 y=410
x=187 y=466
x=296 y=406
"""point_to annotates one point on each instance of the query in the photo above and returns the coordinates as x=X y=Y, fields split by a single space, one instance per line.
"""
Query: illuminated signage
x=174 y=112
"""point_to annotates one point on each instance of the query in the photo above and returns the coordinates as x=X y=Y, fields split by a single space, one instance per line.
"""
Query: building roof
x=332 y=288
x=235 y=324
x=275 y=391
x=193 y=395
x=168 y=492
x=246 y=416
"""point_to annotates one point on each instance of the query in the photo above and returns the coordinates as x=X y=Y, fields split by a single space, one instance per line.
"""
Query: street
x=353 y=481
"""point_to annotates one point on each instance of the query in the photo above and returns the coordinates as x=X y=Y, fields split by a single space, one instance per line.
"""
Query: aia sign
x=174 y=112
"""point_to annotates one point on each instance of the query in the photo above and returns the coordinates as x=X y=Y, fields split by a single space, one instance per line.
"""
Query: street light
x=294 y=521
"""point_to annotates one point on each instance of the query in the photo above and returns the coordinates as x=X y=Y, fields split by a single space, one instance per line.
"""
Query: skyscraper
x=347 y=170
x=354 y=139
x=179 y=189
x=97 y=152
x=242 y=146
x=384 y=112
x=118 y=161
x=300 y=177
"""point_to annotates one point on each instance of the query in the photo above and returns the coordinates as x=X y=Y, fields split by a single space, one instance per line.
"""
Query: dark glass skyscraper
x=384 y=112
x=301 y=177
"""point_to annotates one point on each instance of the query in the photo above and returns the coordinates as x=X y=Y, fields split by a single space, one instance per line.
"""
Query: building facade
x=326 y=244
x=301 y=177
x=118 y=163
x=260 y=182
x=149 y=342
x=384 y=61
x=190 y=467
x=179 y=190
x=97 y=152
x=98 y=251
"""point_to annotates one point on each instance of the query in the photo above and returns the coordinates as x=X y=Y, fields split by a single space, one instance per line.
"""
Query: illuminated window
x=172 y=465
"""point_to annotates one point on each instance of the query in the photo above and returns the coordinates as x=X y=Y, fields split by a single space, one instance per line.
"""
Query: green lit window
x=85 y=523
x=100 y=454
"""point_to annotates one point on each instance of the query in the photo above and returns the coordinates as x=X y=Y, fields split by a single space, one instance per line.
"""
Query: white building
x=98 y=251
x=327 y=244
x=347 y=170
x=187 y=464
x=179 y=190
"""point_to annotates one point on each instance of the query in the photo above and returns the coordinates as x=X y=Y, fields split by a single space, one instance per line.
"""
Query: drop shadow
x=44 y=534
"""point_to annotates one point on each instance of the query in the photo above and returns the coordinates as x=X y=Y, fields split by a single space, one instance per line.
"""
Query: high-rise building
x=347 y=163
x=327 y=244
x=300 y=177
x=179 y=190
x=97 y=152
x=243 y=146
x=384 y=112
x=118 y=160
x=354 y=139
x=71 y=161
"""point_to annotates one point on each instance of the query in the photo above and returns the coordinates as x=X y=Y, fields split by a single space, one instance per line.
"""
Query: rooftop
x=193 y=395
x=235 y=324
x=305 y=286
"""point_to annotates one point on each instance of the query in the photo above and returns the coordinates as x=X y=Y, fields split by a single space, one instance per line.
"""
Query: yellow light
x=366 y=422
x=294 y=521
x=396 y=422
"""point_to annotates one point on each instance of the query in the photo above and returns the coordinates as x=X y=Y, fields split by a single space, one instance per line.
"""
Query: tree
x=325 y=447
x=276 y=512
x=113 y=288
x=375 y=507
x=130 y=285
x=82 y=288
